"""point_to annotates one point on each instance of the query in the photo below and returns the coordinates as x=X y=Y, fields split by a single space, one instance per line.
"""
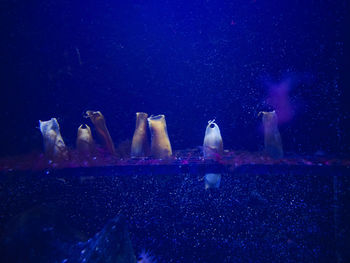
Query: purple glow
x=279 y=99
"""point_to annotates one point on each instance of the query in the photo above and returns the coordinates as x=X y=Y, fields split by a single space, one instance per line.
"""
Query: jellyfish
x=139 y=145
x=54 y=145
x=160 y=143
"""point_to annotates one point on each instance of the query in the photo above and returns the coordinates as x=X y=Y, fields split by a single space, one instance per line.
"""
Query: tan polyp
x=160 y=143
x=85 y=143
x=139 y=145
x=99 y=122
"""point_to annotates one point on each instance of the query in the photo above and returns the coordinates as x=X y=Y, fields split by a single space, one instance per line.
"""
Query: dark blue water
x=192 y=61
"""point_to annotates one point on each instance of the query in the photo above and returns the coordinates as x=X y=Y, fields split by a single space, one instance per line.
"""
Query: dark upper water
x=192 y=61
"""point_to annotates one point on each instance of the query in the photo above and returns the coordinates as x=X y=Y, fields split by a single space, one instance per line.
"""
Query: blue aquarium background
x=192 y=61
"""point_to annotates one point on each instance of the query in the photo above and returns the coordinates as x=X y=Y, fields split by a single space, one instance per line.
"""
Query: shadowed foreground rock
x=41 y=236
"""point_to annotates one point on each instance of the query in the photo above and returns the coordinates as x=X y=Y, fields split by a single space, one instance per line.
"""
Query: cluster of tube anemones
x=55 y=147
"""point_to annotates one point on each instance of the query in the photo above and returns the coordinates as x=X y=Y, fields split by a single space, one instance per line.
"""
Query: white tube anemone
x=272 y=137
x=139 y=145
x=85 y=143
x=160 y=143
x=212 y=180
x=212 y=145
x=54 y=145
x=99 y=122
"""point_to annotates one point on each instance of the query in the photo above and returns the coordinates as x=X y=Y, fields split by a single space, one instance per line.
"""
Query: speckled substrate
x=289 y=210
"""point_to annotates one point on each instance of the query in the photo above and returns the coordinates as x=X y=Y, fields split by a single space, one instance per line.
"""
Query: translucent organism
x=212 y=148
x=54 y=145
x=272 y=137
x=212 y=145
x=212 y=180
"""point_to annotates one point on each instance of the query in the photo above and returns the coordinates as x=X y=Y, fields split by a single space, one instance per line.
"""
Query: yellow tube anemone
x=272 y=137
x=99 y=122
x=85 y=143
x=160 y=144
x=139 y=145
x=54 y=145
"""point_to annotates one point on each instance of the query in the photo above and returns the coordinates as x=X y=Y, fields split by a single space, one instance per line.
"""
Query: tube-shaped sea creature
x=99 y=122
x=212 y=180
x=85 y=143
x=139 y=145
x=54 y=145
x=160 y=144
x=212 y=145
x=272 y=137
